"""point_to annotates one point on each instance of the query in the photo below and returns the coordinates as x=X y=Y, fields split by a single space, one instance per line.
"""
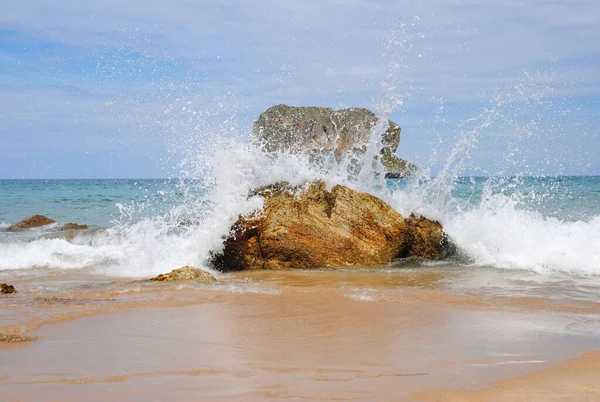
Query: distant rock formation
x=33 y=221
x=311 y=227
x=73 y=226
x=318 y=129
x=186 y=273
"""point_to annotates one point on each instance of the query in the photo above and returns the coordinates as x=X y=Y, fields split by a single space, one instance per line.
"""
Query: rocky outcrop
x=73 y=226
x=7 y=289
x=33 y=221
x=321 y=130
x=186 y=273
x=312 y=227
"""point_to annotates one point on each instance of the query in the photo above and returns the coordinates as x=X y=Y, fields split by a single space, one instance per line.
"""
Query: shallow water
x=303 y=342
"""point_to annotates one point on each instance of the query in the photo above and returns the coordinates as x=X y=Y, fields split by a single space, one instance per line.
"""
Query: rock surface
x=7 y=289
x=33 y=221
x=186 y=273
x=73 y=226
x=426 y=239
x=15 y=338
x=320 y=129
x=311 y=227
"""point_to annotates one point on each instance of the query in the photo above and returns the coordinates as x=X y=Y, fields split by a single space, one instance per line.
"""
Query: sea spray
x=498 y=222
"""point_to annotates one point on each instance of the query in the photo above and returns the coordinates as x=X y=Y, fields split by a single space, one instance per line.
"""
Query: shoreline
x=575 y=379
x=303 y=342
x=72 y=294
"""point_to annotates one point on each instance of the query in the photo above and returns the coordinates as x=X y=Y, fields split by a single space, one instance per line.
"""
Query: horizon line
x=181 y=178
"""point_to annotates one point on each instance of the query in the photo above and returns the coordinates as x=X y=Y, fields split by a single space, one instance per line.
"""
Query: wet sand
x=574 y=380
x=291 y=336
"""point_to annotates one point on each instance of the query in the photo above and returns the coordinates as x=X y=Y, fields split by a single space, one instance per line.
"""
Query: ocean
x=138 y=227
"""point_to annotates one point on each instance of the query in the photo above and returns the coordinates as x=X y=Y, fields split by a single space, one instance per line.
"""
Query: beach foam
x=497 y=231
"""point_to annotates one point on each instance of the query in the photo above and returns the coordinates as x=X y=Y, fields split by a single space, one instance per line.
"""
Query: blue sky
x=113 y=89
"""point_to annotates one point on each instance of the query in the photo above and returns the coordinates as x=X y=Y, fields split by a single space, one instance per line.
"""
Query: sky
x=117 y=89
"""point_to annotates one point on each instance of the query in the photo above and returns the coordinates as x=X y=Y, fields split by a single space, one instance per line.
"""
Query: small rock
x=14 y=338
x=33 y=221
x=184 y=223
x=186 y=273
x=7 y=289
x=73 y=226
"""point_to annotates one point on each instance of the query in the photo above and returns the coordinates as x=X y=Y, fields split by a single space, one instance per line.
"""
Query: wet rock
x=69 y=235
x=73 y=226
x=271 y=190
x=7 y=289
x=321 y=130
x=186 y=273
x=33 y=221
x=312 y=227
x=15 y=338
x=426 y=239
x=184 y=223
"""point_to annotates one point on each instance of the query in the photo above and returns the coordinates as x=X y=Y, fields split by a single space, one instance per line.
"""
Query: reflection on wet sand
x=366 y=278
x=362 y=334
x=292 y=345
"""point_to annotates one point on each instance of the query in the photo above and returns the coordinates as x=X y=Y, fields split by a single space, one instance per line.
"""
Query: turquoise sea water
x=96 y=202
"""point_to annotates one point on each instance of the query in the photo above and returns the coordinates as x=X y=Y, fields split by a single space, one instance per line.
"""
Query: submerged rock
x=33 y=221
x=186 y=273
x=73 y=226
x=320 y=130
x=312 y=227
x=7 y=289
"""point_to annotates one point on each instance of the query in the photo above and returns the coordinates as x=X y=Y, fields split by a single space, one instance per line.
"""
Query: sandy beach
x=302 y=337
x=573 y=380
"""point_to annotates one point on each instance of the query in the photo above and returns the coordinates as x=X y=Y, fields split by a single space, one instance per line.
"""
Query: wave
x=495 y=234
x=492 y=232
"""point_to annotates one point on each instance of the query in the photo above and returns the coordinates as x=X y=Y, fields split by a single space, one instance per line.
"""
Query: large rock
x=186 y=273
x=312 y=227
x=320 y=129
x=33 y=221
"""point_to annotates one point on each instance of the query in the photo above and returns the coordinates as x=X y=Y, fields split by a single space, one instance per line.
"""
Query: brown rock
x=426 y=239
x=15 y=338
x=186 y=273
x=7 y=289
x=313 y=227
x=33 y=221
x=73 y=226
x=322 y=131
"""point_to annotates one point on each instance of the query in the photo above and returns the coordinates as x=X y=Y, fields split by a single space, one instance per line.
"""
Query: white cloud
x=248 y=55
